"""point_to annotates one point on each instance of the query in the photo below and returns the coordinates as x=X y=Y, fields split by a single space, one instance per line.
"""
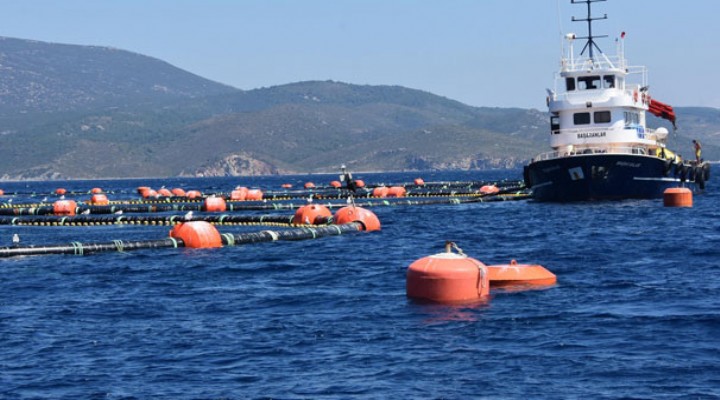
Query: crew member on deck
x=698 y=151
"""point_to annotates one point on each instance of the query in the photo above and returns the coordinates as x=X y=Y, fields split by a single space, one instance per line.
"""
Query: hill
x=91 y=112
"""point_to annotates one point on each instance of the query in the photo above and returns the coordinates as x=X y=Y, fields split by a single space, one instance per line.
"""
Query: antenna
x=590 y=38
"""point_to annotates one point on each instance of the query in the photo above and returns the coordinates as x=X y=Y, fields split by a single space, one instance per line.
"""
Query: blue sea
x=635 y=313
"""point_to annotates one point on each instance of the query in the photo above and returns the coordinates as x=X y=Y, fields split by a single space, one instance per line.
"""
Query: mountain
x=91 y=112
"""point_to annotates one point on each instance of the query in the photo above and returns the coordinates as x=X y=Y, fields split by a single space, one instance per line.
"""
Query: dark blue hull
x=610 y=177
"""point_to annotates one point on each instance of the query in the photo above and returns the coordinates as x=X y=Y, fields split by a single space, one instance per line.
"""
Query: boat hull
x=609 y=177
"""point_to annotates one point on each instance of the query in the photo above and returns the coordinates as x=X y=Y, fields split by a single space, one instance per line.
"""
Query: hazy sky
x=498 y=53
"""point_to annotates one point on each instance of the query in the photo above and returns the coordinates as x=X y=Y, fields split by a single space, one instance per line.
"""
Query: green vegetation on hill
x=92 y=112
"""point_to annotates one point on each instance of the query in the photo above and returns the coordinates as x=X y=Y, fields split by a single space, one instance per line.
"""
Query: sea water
x=635 y=312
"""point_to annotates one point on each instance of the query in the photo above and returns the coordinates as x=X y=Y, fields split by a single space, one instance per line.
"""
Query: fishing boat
x=601 y=146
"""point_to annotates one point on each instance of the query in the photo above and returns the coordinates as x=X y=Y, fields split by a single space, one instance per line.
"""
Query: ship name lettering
x=627 y=164
x=585 y=135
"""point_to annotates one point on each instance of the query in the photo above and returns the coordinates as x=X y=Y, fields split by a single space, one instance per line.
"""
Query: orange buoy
x=193 y=194
x=314 y=214
x=2 y=192
x=99 y=200
x=197 y=234
x=359 y=183
x=286 y=186
x=380 y=191
x=309 y=185
x=419 y=181
x=448 y=278
x=60 y=191
x=677 y=197
x=149 y=193
x=215 y=204
x=178 y=192
x=336 y=184
x=96 y=190
x=239 y=194
x=489 y=189
x=164 y=192
x=397 y=191
x=254 y=194
x=349 y=214
x=520 y=274
x=65 y=207
x=141 y=189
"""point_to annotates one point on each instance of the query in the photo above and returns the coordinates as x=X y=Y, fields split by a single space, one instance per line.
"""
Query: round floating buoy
x=349 y=214
x=96 y=190
x=254 y=194
x=448 y=278
x=64 y=207
x=677 y=197
x=197 y=234
x=359 y=183
x=315 y=214
x=2 y=192
x=214 y=204
x=419 y=181
x=142 y=189
x=178 y=192
x=286 y=186
x=149 y=194
x=309 y=185
x=99 y=200
x=397 y=191
x=60 y=191
x=193 y=194
x=520 y=274
x=239 y=194
x=489 y=189
x=380 y=191
x=164 y=192
x=336 y=184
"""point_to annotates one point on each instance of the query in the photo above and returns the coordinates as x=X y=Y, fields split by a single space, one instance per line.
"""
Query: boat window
x=631 y=118
x=589 y=82
x=555 y=124
x=581 y=118
x=570 y=84
x=602 y=117
x=609 y=81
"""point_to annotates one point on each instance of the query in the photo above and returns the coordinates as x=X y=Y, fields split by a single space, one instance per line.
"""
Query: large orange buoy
x=149 y=194
x=214 y=204
x=489 y=189
x=193 y=194
x=2 y=192
x=448 y=278
x=419 y=181
x=520 y=274
x=178 y=192
x=336 y=184
x=164 y=192
x=360 y=183
x=314 y=214
x=197 y=234
x=397 y=191
x=65 y=207
x=349 y=214
x=60 y=191
x=309 y=185
x=99 y=200
x=142 y=189
x=239 y=194
x=380 y=191
x=254 y=194
x=96 y=190
x=677 y=197
x=286 y=186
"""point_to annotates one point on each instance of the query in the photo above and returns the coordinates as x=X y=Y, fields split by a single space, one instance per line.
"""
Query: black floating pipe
x=291 y=234
x=80 y=249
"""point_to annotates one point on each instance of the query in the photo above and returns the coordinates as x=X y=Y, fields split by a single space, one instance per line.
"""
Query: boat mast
x=590 y=38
